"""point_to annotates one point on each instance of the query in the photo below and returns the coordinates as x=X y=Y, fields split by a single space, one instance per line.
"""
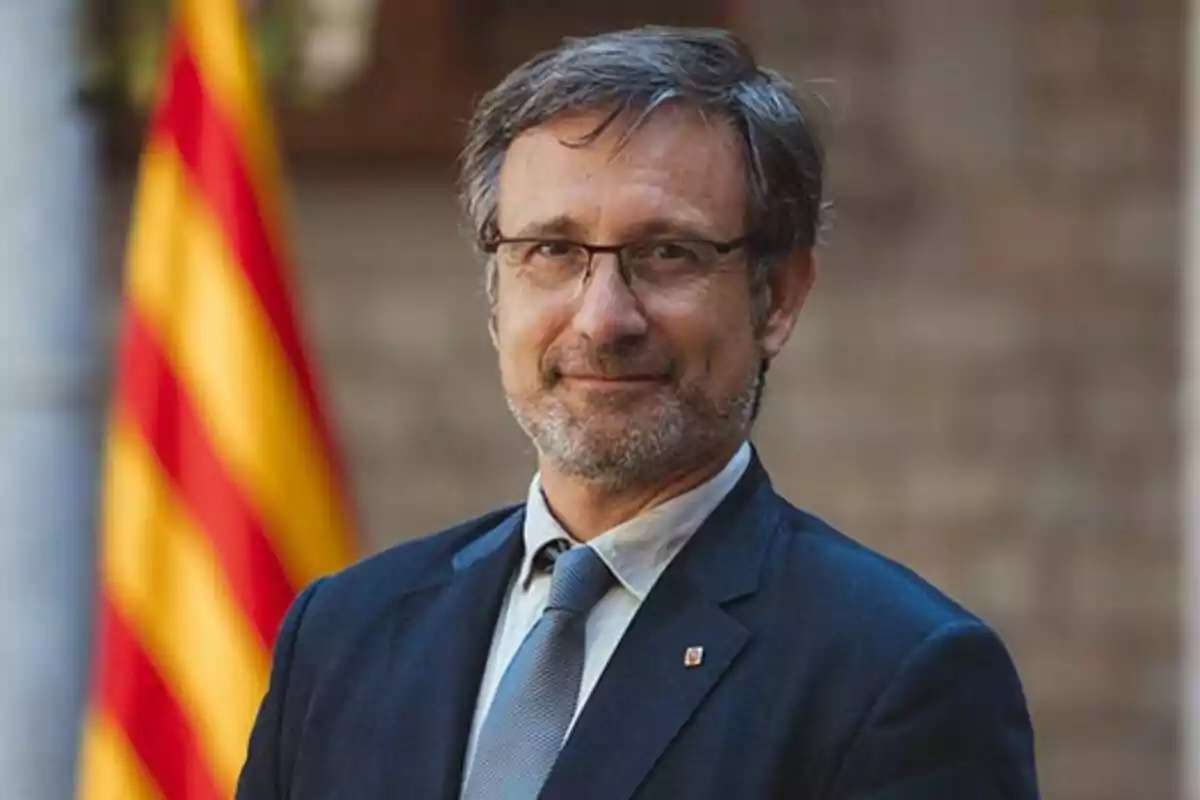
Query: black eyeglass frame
x=490 y=246
x=722 y=248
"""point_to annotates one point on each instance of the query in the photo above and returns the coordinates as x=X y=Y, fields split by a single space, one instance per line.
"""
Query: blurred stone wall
x=983 y=385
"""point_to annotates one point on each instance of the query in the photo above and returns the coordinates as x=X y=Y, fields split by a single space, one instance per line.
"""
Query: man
x=654 y=622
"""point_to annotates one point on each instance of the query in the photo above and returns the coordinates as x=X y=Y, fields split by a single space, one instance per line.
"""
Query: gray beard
x=652 y=441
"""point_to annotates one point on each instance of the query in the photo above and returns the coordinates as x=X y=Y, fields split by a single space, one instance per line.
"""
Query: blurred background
x=983 y=385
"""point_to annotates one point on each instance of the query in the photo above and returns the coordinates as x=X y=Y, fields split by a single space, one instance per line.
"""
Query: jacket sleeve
x=265 y=773
x=952 y=722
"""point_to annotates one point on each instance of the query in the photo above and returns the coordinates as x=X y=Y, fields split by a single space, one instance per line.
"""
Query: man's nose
x=608 y=309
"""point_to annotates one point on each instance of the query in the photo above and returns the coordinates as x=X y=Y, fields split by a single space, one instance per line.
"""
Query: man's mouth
x=597 y=381
x=584 y=377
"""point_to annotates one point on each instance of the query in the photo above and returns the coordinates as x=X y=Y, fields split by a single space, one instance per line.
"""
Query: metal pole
x=48 y=430
x=1191 y=414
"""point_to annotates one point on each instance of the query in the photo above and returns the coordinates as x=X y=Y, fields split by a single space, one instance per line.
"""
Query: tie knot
x=580 y=579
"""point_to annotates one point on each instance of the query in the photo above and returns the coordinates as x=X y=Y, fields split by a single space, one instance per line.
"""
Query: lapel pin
x=693 y=656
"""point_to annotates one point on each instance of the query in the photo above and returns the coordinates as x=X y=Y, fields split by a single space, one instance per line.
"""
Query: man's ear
x=490 y=289
x=492 y=331
x=789 y=282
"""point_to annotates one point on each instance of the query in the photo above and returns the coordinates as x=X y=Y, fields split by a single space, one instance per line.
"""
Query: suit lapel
x=644 y=697
x=647 y=692
x=437 y=696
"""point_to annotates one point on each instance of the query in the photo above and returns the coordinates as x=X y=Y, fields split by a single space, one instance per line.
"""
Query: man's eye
x=551 y=250
x=669 y=252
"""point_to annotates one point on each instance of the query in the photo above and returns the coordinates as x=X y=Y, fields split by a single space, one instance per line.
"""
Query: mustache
x=614 y=360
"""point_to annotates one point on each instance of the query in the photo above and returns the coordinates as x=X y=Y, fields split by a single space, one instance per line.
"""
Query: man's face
x=620 y=380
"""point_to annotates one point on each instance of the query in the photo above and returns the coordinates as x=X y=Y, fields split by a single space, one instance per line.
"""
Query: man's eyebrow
x=663 y=228
x=561 y=226
x=564 y=227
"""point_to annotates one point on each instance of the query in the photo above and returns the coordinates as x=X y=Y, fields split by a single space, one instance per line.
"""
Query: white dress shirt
x=637 y=552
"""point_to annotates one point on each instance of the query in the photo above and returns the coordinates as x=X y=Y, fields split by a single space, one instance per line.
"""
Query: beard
x=615 y=440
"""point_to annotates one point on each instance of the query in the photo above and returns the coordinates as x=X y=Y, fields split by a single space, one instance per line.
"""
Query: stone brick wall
x=984 y=384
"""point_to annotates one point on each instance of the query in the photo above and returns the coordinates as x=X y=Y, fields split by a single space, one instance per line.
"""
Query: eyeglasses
x=658 y=263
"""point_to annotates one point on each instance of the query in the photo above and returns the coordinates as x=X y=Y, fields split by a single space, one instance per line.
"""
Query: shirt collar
x=639 y=550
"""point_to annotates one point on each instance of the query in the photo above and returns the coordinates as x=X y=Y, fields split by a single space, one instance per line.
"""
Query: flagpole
x=48 y=416
x=1190 y=578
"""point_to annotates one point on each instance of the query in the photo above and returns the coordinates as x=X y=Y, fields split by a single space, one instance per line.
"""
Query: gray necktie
x=535 y=701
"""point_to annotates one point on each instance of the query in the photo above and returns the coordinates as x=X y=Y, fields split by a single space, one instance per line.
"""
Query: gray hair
x=631 y=73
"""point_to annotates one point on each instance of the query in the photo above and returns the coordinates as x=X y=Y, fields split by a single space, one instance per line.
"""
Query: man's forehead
x=665 y=136
x=676 y=156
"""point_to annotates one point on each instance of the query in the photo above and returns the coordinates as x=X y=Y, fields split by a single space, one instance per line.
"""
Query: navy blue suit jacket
x=828 y=672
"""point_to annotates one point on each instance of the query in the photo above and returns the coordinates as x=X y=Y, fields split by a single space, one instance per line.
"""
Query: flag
x=222 y=495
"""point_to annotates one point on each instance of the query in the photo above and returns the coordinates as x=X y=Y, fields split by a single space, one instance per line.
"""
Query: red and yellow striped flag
x=222 y=497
